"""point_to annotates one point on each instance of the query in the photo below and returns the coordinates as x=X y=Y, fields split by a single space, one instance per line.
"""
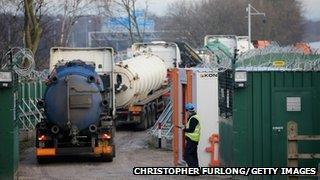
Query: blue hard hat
x=190 y=107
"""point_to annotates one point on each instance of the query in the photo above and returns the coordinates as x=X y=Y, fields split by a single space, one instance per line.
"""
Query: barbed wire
x=289 y=57
x=36 y=75
x=22 y=61
x=263 y=59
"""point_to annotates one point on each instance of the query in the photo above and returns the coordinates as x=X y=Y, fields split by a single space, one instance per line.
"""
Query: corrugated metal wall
x=256 y=134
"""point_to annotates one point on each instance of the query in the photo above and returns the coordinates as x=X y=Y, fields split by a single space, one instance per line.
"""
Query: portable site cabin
x=269 y=88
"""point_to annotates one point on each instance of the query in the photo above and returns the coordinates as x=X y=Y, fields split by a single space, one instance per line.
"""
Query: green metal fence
x=30 y=91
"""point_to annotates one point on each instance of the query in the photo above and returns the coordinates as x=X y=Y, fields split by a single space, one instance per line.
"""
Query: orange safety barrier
x=189 y=87
x=186 y=92
x=174 y=74
x=214 y=150
x=45 y=151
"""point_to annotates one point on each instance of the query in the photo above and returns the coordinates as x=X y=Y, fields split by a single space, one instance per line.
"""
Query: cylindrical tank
x=72 y=98
x=137 y=77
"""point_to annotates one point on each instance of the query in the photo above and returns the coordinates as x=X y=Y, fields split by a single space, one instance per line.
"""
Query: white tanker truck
x=141 y=83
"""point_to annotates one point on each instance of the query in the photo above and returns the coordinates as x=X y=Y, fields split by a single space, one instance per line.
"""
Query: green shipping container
x=255 y=134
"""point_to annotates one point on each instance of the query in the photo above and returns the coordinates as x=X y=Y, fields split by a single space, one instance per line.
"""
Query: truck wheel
x=113 y=151
x=154 y=114
x=42 y=160
x=107 y=158
x=113 y=134
x=149 y=116
x=143 y=125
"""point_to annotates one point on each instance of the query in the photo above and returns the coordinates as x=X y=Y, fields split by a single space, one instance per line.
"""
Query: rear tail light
x=105 y=136
x=42 y=138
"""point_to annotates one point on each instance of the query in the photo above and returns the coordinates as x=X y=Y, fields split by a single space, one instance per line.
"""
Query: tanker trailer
x=141 y=90
x=76 y=120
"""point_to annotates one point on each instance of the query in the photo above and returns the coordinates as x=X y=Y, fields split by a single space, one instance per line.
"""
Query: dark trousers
x=191 y=155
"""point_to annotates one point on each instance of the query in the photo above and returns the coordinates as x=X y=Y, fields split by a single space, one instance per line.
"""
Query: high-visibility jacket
x=195 y=135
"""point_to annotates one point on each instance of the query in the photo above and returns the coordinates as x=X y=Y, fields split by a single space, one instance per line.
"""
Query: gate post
x=292 y=146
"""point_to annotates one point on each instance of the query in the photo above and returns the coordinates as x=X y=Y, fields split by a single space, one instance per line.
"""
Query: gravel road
x=132 y=150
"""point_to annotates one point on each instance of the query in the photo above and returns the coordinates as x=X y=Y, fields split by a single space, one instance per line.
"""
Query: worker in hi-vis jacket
x=192 y=135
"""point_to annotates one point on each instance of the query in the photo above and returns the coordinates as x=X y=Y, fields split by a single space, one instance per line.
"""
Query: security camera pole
x=253 y=13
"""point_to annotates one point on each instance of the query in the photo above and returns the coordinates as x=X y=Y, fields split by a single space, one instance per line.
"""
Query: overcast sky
x=311 y=9
x=159 y=7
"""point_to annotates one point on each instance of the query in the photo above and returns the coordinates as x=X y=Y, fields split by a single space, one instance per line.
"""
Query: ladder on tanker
x=165 y=123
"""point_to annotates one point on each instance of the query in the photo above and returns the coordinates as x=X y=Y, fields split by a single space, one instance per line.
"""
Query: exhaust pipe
x=104 y=103
x=55 y=129
x=93 y=128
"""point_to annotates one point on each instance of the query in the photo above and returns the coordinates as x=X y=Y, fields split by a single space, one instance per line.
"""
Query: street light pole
x=249 y=25
x=87 y=35
x=73 y=35
x=56 y=24
x=254 y=13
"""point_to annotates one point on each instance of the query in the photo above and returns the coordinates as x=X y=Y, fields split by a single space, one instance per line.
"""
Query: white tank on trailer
x=168 y=51
x=137 y=77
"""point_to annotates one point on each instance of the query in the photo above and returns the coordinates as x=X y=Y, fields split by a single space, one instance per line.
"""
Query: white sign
x=293 y=104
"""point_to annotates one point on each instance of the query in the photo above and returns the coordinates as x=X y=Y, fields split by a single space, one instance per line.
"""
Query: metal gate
x=30 y=91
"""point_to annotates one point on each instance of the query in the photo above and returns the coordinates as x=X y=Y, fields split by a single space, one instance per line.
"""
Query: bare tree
x=127 y=8
x=192 y=21
x=37 y=24
x=11 y=25
x=72 y=11
x=284 y=23
x=32 y=28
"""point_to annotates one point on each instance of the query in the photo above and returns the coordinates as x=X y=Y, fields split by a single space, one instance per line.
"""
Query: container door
x=287 y=106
